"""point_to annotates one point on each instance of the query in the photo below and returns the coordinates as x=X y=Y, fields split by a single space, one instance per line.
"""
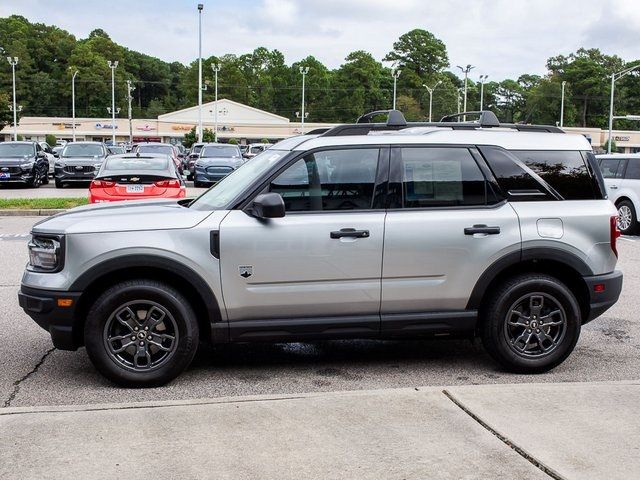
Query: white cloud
x=502 y=38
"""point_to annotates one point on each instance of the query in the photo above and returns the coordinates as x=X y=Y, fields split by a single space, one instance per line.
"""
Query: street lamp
x=483 y=78
x=73 y=104
x=395 y=73
x=113 y=66
x=430 y=90
x=466 y=71
x=200 y=7
x=459 y=100
x=564 y=83
x=614 y=78
x=13 y=61
x=216 y=68
x=129 y=98
x=303 y=72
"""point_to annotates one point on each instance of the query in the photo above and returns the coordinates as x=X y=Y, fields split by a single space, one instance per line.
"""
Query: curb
x=15 y=212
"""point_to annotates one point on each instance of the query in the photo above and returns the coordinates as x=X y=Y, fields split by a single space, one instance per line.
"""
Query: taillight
x=615 y=233
x=167 y=184
x=101 y=184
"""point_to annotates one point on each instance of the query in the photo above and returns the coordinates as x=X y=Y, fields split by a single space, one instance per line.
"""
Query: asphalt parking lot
x=34 y=374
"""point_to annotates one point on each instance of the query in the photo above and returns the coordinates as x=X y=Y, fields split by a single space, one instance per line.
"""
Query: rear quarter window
x=565 y=171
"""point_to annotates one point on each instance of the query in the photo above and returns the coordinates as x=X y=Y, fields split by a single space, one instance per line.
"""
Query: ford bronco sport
x=367 y=230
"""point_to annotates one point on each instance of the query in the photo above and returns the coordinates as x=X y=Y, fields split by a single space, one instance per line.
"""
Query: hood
x=123 y=217
x=13 y=161
x=219 y=162
x=80 y=160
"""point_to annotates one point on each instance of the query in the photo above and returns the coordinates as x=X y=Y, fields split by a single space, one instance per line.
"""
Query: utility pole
x=73 y=105
x=303 y=71
x=395 y=73
x=562 y=105
x=200 y=7
x=113 y=66
x=483 y=78
x=129 y=98
x=216 y=69
x=13 y=62
x=466 y=71
x=430 y=90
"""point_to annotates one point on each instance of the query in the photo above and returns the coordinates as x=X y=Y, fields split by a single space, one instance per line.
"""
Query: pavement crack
x=17 y=383
x=519 y=450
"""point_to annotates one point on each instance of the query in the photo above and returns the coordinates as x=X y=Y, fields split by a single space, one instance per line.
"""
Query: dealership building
x=235 y=120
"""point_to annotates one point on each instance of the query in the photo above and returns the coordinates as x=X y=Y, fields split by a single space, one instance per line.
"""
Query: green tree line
x=48 y=56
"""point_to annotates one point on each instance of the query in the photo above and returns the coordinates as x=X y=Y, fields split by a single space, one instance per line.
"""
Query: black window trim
x=263 y=183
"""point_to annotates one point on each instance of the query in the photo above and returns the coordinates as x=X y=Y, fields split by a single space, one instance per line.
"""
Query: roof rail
x=395 y=118
x=396 y=121
x=486 y=118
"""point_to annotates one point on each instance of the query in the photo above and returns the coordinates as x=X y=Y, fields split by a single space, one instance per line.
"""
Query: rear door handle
x=482 y=229
x=350 y=232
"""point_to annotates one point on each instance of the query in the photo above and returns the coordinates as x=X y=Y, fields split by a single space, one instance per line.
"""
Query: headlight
x=45 y=253
x=27 y=166
x=97 y=166
x=59 y=164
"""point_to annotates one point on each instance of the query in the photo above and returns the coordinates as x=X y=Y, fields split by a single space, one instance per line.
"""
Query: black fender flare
x=526 y=254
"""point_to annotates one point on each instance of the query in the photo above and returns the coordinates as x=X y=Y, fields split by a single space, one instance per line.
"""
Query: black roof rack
x=396 y=121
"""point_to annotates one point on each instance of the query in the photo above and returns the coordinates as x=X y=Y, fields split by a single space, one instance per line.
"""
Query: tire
x=504 y=331
x=197 y=184
x=37 y=180
x=45 y=179
x=152 y=359
x=627 y=219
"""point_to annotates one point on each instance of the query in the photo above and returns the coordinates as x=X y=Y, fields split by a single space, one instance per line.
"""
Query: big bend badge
x=245 y=270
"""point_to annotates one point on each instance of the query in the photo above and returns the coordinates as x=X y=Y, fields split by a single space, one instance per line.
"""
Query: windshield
x=136 y=163
x=220 y=151
x=166 y=149
x=196 y=149
x=257 y=149
x=117 y=150
x=83 y=150
x=15 y=149
x=222 y=193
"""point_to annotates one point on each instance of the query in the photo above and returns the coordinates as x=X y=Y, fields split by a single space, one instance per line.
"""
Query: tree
x=190 y=137
x=419 y=51
x=51 y=140
x=233 y=141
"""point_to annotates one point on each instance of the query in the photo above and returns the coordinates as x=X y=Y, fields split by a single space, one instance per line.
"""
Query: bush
x=265 y=140
x=233 y=141
x=51 y=140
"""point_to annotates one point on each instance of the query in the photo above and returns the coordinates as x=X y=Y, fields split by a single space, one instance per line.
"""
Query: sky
x=501 y=38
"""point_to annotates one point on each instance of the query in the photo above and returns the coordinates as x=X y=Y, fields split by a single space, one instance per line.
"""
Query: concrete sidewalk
x=492 y=431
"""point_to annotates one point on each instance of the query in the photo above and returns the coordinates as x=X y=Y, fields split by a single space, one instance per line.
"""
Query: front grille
x=219 y=170
x=75 y=169
x=10 y=170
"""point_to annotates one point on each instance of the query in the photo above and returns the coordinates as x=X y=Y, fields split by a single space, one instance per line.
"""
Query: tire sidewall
x=634 y=219
x=115 y=297
x=498 y=317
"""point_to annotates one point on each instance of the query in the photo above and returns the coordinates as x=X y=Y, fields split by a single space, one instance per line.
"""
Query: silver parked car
x=621 y=174
x=369 y=230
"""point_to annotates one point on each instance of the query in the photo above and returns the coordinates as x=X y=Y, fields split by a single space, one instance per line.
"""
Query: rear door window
x=612 y=167
x=633 y=169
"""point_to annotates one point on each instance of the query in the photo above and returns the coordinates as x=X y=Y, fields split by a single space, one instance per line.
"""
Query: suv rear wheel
x=531 y=324
x=141 y=333
x=627 y=219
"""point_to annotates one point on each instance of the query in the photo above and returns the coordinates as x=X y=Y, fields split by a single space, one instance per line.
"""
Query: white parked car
x=51 y=158
x=621 y=174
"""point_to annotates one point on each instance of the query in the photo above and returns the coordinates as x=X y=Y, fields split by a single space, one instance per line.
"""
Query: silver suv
x=369 y=230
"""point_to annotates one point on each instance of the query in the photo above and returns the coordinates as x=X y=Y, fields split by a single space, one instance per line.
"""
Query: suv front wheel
x=531 y=323
x=141 y=333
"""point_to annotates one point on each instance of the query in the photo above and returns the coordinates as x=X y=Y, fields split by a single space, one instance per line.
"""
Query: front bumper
x=80 y=176
x=604 y=291
x=42 y=306
x=24 y=177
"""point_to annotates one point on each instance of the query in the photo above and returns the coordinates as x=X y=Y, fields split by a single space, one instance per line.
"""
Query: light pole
x=459 y=100
x=113 y=66
x=216 y=68
x=129 y=98
x=614 y=78
x=73 y=104
x=562 y=105
x=466 y=71
x=483 y=78
x=200 y=7
x=395 y=73
x=13 y=61
x=303 y=72
x=430 y=90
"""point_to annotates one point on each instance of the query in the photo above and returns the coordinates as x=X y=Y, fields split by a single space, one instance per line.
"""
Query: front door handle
x=350 y=232
x=613 y=187
x=482 y=229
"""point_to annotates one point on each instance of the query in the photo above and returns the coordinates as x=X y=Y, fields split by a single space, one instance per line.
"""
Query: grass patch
x=41 y=203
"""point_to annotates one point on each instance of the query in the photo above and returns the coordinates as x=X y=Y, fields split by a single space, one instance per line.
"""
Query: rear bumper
x=170 y=193
x=42 y=306
x=609 y=286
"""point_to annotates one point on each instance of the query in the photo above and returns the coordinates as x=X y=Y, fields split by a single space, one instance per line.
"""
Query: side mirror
x=268 y=205
x=181 y=155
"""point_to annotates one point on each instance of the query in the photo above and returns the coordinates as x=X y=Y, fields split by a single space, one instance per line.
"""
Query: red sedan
x=136 y=177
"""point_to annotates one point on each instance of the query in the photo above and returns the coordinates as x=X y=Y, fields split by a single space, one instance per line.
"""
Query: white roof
x=619 y=155
x=229 y=112
x=508 y=139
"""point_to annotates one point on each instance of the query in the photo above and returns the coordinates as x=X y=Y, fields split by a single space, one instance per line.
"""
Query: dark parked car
x=216 y=161
x=23 y=162
x=161 y=149
x=79 y=162
x=191 y=158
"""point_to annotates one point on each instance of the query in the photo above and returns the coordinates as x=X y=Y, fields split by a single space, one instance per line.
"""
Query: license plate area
x=135 y=188
x=5 y=176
